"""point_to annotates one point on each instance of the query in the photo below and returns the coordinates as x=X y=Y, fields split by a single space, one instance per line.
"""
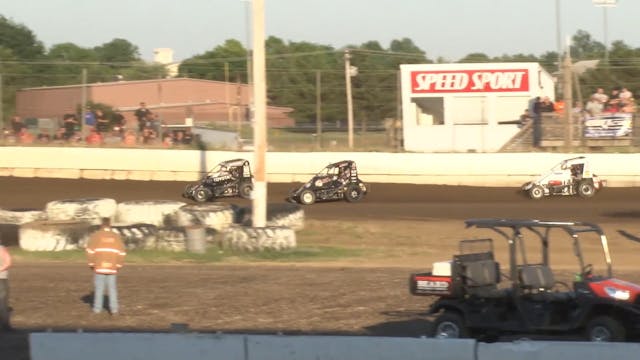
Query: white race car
x=569 y=177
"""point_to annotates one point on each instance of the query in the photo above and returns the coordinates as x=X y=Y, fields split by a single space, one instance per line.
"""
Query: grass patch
x=213 y=255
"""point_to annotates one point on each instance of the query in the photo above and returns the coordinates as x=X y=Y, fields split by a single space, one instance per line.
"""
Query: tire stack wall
x=250 y=239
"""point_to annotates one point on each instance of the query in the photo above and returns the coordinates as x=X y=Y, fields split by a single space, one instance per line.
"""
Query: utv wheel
x=307 y=197
x=202 y=195
x=536 y=192
x=449 y=325
x=586 y=189
x=353 y=193
x=245 y=189
x=605 y=329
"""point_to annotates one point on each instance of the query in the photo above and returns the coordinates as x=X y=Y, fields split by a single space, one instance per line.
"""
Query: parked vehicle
x=473 y=302
x=335 y=182
x=569 y=177
x=228 y=178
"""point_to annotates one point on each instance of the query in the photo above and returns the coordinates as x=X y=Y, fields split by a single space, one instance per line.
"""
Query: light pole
x=605 y=4
x=259 y=209
x=348 y=74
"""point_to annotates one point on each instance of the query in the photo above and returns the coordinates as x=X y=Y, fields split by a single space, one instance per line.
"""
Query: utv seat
x=537 y=281
x=482 y=277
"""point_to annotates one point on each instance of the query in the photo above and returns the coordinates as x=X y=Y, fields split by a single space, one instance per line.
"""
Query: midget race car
x=228 y=178
x=335 y=182
x=569 y=177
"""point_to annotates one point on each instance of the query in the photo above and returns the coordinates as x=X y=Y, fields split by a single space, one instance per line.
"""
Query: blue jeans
x=100 y=280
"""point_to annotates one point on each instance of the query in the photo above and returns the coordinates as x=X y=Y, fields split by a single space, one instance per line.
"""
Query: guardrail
x=474 y=169
x=166 y=346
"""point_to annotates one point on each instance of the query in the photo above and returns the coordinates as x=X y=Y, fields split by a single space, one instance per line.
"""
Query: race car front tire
x=202 y=195
x=307 y=197
x=245 y=189
x=536 y=192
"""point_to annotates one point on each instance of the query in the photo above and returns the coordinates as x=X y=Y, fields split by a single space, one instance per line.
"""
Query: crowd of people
x=101 y=129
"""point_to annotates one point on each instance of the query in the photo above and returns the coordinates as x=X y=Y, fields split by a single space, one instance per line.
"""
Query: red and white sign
x=470 y=81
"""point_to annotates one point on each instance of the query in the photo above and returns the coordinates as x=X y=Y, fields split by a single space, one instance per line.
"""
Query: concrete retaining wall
x=166 y=346
x=492 y=169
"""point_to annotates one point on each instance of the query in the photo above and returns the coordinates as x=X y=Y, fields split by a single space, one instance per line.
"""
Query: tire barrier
x=161 y=213
x=244 y=238
x=54 y=235
x=135 y=236
x=171 y=239
x=278 y=214
x=90 y=209
x=217 y=216
x=196 y=239
x=21 y=216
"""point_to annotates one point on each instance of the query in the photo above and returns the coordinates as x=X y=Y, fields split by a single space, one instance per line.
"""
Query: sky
x=448 y=29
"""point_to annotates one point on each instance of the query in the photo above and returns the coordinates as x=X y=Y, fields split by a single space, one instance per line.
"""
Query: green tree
x=584 y=47
x=21 y=40
x=212 y=64
x=117 y=51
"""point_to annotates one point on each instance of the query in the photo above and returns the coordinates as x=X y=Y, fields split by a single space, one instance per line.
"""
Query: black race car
x=229 y=178
x=335 y=182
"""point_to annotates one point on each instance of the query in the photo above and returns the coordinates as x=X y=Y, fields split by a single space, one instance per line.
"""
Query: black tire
x=307 y=197
x=586 y=189
x=353 y=193
x=188 y=191
x=536 y=192
x=449 y=325
x=245 y=189
x=605 y=329
x=202 y=194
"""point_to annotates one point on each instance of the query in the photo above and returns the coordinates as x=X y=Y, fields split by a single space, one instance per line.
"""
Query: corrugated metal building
x=173 y=100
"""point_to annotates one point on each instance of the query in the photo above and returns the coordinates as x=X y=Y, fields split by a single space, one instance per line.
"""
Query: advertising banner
x=608 y=125
x=470 y=81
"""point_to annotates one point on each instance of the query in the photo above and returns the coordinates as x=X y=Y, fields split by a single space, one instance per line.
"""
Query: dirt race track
x=318 y=298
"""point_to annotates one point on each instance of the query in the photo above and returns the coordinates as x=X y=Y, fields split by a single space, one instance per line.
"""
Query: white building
x=458 y=107
x=164 y=56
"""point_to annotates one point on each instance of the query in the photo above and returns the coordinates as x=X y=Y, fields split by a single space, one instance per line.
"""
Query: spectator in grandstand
x=43 y=138
x=142 y=114
x=525 y=118
x=5 y=264
x=148 y=135
x=558 y=106
x=25 y=137
x=546 y=105
x=594 y=106
x=600 y=96
x=167 y=139
x=102 y=123
x=94 y=138
x=89 y=117
x=537 y=121
x=129 y=138
x=188 y=137
x=119 y=122
x=70 y=122
x=105 y=255
x=16 y=124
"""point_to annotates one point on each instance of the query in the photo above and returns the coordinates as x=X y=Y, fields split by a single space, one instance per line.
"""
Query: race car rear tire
x=245 y=189
x=202 y=194
x=307 y=197
x=586 y=189
x=353 y=193
x=54 y=235
x=536 y=192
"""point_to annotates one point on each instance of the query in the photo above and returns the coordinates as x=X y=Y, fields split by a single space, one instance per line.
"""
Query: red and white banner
x=469 y=81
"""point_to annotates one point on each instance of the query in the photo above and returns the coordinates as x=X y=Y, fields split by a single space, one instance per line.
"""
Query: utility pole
x=259 y=208
x=347 y=75
x=83 y=126
x=318 y=109
x=1 y=104
x=568 y=101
